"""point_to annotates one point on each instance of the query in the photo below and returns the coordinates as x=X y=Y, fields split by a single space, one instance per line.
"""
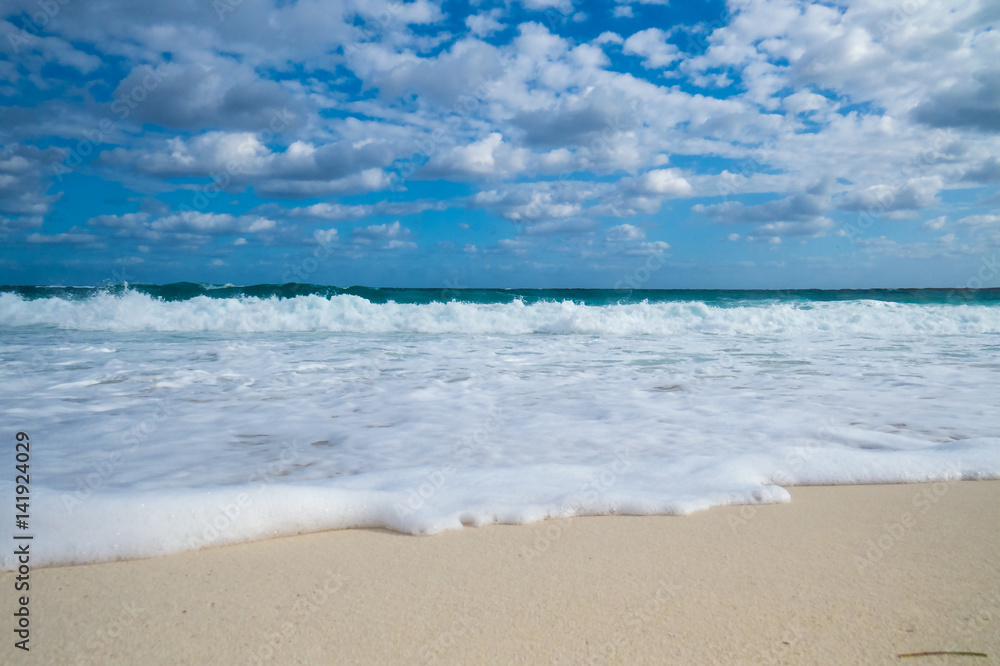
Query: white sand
x=842 y=575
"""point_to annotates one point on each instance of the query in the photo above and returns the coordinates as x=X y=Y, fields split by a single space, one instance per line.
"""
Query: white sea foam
x=158 y=427
x=135 y=311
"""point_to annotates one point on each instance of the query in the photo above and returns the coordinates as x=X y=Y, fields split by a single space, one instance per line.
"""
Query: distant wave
x=132 y=310
x=181 y=291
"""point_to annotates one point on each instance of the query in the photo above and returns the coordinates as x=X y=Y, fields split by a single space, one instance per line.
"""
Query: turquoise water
x=181 y=291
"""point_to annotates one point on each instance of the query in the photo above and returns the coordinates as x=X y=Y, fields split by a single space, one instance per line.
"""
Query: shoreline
x=842 y=574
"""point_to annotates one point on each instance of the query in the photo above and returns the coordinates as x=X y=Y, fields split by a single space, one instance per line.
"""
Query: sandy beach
x=841 y=575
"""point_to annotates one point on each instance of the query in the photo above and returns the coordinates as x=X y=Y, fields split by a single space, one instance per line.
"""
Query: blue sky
x=535 y=143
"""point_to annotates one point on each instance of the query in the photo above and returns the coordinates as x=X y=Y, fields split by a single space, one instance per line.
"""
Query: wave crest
x=132 y=311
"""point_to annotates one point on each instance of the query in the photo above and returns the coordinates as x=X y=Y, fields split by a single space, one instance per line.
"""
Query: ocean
x=176 y=417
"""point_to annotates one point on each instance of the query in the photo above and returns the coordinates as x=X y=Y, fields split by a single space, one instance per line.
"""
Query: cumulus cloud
x=25 y=173
x=384 y=237
x=536 y=202
x=75 y=236
x=609 y=37
x=326 y=236
x=486 y=159
x=654 y=247
x=574 y=121
x=126 y=221
x=453 y=80
x=665 y=182
x=563 y=227
x=987 y=171
x=641 y=194
x=36 y=50
x=971 y=104
x=651 y=45
x=205 y=94
x=530 y=203
x=801 y=214
x=187 y=227
x=235 y=160
x=912 y=195
x=341 y=212
x=541 y=5
x=774 y=231
x=484 y=24
x=624 y=232
x=980 y=221
x=800 y=207
x=212 y=224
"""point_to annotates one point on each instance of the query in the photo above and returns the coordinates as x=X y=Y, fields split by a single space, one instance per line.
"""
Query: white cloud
x=624 y=233
x=189 y=228
x=239 y=159
x=24 y=172
x=561 y=227
x=75 y=236
x=654 y=247
x=487 y=158
x=666 y=182
x=340 y=212
x=802 y=207
x=126 y=221
x=383 y=236
x=978 y=221
x=533 y=202
x=914 y=194
x=804 y=101
x=799 y=214
x=37 y=50
x=325 y=236
x=211 y=223
x=377 y=231
x=210 y=92
x=651 y=45
x=968 y=104
x=609 y=38
x=805 y=228
x=484 y=24
x=564 y=6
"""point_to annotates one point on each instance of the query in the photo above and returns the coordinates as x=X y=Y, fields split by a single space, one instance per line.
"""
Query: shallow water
x=163 y=421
